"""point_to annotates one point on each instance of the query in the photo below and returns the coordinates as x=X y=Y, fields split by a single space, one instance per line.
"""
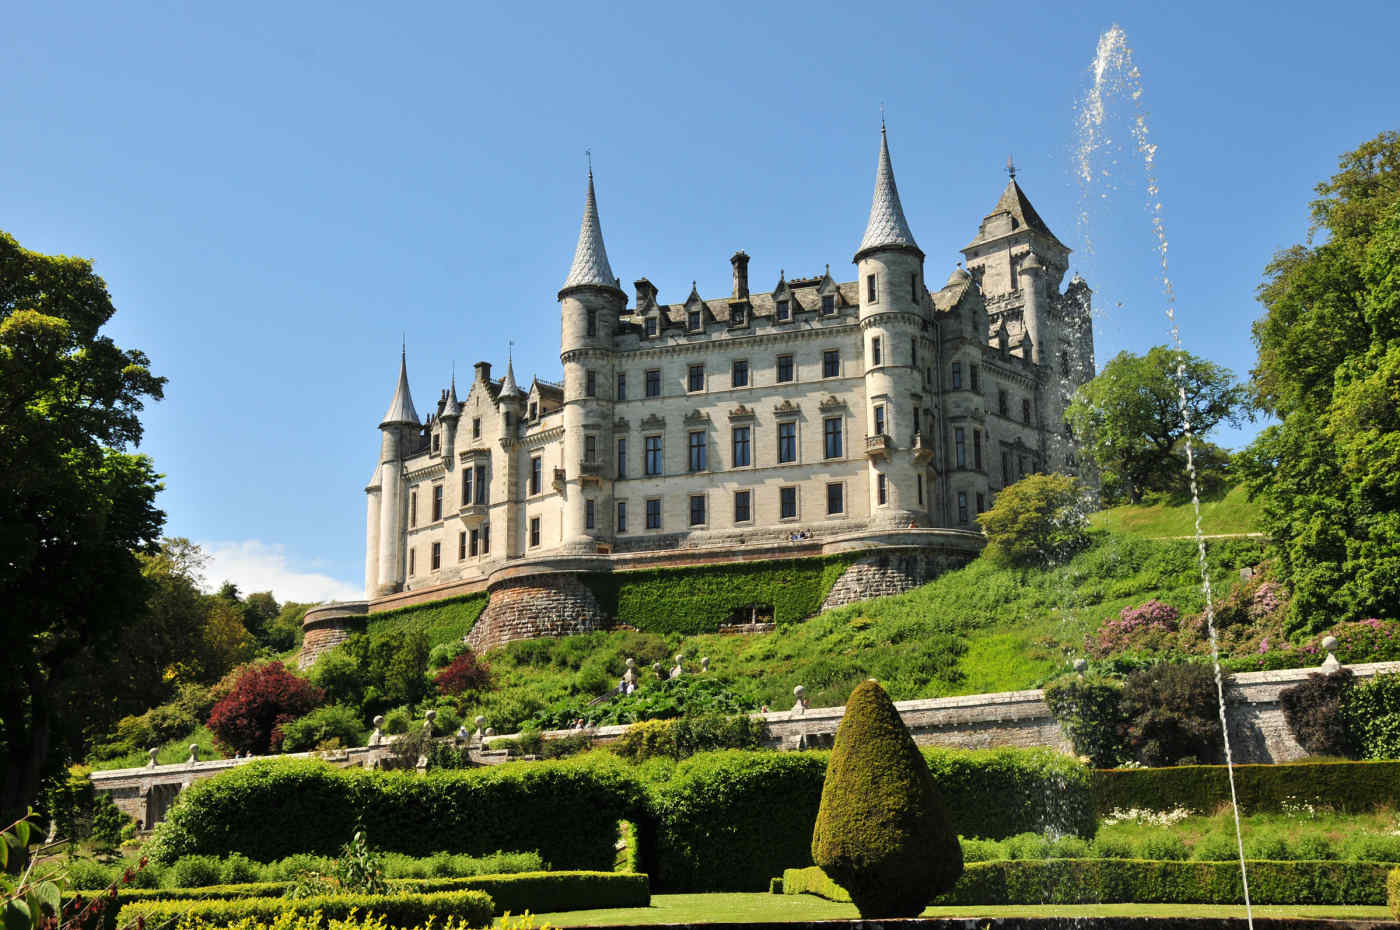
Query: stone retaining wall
x=539 y=605
x=328 y=625
x=886 y=573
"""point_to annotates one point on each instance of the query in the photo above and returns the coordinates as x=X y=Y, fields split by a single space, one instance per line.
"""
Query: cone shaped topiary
x=882 y=831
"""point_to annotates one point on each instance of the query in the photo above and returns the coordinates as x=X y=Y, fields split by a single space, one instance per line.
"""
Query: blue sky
x=276 y=193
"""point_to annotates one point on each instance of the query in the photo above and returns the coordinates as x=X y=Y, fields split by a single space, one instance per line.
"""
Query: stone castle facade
x=877 y=415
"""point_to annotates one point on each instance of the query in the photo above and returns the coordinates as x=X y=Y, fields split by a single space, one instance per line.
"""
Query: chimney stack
x=740 y=261
x=483 y=371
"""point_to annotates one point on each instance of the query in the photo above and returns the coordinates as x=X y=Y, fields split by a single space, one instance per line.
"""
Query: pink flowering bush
x=1148 y=627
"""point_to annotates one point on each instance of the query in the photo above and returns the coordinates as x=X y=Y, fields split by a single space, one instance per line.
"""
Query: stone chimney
x=646 y=294
x=483 y=371
x=740 y=262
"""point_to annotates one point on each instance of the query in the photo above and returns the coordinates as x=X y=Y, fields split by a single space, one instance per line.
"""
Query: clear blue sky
x=275 y=192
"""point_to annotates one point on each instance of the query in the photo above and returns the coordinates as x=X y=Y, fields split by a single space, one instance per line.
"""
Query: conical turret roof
x=508 y=386
x=453 y=407
x=887 y=227
x=590 y=258
x=401 y=407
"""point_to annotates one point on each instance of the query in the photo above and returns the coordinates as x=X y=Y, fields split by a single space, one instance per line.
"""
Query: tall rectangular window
x=590 y=448
x=787 y=441
x=412 y=562
x=695 y=378
x=835 y=498
x=1003 y=407
x=914 y=351
x=1026 y=410
x=592 y=322
x=957 y=376
x=882 y=489
x=974 y=371
x=875 y=350
x=622 y=516
x=959 y=447
x=653 y=382
x=921 y=489
x=437 y=443
x=437 y=556
x=831 y=436
x=590 y=383
x=692 y=320
x=697 y=450
x=831 y=363
x=784 y=368
x=962 y=507
x=977 y=449
x=437 y=502
x=914 y=287
x=981 y=502
x=741 y=446
x=879 y=420
x=485 y=538
x=783 y=311
x=871 y=296
x=787 y=503
x=697 y=509
x=1006 y=469
x=480 y=484
x=535 y=469
x=476 y=427
x=736 y=316
x=739 y=373
x=622 y=457
x=651 y=326
x=475 y=542
x=590 y=514
x=534 y=410
x=621 y=385
x=654 y=514
x=534 y=532
x=466 y=486
x=461 y=545
x=653 y=455
x=743 y=510
x=828 y=304
x=413 y=508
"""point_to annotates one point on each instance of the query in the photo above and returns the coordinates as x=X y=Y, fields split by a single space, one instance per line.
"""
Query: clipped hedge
x=474 y=908
x=447 y=620
x=567 y=811
x=698 y=599
x=1139 y=881
x=729 y=821
x=1343 y=786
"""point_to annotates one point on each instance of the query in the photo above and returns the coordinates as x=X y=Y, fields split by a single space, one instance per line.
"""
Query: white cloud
x=254 y=565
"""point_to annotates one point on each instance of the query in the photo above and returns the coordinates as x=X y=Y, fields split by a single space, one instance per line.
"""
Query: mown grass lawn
x=739 y=908
x=1231 y=514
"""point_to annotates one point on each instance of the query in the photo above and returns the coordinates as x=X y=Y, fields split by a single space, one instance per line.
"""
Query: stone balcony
x=473 y=513
x=878 y=446
x=923 y=449
x=590 y=472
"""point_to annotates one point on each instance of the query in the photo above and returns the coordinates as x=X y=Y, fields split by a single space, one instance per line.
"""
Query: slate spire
x=887 y=228
x=401 y=407
x=590 y=258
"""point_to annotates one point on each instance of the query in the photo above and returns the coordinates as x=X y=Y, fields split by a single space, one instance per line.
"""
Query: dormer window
x=651 y=326
x=534 y=410
x=736 y=316
x=437 y=443
x=692 y=320
x=828 y=304
x=784 y=311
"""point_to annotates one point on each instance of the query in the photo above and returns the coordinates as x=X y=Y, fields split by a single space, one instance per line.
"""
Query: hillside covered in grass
x=1229 y=514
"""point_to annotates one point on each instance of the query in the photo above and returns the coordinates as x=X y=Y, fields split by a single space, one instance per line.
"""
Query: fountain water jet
x=1114 y=70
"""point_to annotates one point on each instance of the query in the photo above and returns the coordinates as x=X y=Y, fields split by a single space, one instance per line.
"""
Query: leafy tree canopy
x=1039 y=520
x=1329 y=368
x=76 y=510
x=1130 y=417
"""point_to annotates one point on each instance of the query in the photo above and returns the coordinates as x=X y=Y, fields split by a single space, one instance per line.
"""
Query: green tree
x=1129 y=417
x=76 y=510
x=882 y=832
x=1039 y=520
x=1328 y=473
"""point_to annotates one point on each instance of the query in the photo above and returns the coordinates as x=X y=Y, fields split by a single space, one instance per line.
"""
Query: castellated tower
x=894 y=312
x=590 y=303
x=387 y=493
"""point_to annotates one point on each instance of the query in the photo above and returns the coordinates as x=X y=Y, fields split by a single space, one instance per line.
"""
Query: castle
x=874 y=416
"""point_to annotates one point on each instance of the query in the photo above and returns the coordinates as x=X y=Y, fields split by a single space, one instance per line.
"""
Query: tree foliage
x=76 y=508
x=1329 y=369
x=1130 y=420
x=1040 y=520
x=250 y=717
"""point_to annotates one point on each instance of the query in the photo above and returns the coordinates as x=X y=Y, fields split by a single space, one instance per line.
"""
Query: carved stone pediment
x=696 y=416
x=786 y=409
x=832 y=402
x=653 y=422
x=741 y=413
x=621 y=425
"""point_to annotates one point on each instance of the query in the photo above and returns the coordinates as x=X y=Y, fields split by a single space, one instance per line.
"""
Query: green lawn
x=740 y=908
x=176 y=750
x=1231 y=514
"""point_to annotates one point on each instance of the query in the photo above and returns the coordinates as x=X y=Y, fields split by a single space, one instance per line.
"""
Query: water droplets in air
x=1115 y=76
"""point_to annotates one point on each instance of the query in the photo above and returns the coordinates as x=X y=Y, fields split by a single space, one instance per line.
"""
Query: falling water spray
x=1115 y=72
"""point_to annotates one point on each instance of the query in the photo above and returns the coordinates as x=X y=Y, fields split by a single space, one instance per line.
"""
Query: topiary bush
x=265 y=696
x=1342 y=786
x=1173 y=714
x=1314 y=710
x=882 y=832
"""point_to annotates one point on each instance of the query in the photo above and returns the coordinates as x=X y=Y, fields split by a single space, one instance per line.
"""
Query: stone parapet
x=552 y=603
x=328 y=625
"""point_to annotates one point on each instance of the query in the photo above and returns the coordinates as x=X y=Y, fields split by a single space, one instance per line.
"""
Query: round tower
x=1031 y=278
x=399 y=424
x=590 y=303
x=893 y=308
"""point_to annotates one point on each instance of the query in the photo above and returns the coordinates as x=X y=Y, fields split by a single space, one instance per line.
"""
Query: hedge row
x=1139 y=881
x=567 y=811
x=728 y=821
x=473 y=908
x=699 y=599
x=1343 y=786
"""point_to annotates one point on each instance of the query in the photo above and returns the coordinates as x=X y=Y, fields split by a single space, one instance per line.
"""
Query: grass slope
x=981 y=628
x=1230 y=514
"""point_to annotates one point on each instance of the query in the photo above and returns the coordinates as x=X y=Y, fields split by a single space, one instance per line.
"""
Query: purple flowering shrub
x=1148 y=627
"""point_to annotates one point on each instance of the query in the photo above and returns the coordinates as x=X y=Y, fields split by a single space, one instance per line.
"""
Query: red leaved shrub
x=466 y=673
x=250 y=717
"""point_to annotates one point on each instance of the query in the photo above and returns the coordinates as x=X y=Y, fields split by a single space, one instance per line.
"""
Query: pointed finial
x=1011 y=167
x=588 y=156
x=882 y=117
